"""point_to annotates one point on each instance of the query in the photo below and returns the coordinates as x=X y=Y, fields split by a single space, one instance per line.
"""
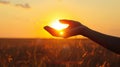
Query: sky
x=26 y=18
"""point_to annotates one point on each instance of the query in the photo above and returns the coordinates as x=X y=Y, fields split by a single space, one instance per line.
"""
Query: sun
x=58 y=26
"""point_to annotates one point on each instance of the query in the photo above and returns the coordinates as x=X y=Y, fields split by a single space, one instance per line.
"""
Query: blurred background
x=26 y=18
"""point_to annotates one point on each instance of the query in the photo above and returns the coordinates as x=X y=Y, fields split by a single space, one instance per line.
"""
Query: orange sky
x=26 y=18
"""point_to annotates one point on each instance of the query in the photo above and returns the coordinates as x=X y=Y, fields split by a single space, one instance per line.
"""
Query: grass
x=55 y=53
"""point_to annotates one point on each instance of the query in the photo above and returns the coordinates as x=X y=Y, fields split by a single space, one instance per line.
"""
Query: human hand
x=74 y=28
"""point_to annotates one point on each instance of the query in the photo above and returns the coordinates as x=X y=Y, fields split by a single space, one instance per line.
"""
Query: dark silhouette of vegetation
x=55 y=53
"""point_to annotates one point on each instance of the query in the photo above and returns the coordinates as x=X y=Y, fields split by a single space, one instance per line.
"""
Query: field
x=55 y=53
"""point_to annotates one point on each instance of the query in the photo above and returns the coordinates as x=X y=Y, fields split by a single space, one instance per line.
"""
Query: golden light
x=59 y=27
x=61 y=33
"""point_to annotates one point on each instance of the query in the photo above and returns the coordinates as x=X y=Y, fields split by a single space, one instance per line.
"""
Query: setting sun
x=58 y=26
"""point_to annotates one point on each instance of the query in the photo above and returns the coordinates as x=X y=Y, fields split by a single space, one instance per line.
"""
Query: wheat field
x=55 y=53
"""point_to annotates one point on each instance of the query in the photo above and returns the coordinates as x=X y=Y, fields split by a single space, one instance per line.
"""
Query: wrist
x=84 y=31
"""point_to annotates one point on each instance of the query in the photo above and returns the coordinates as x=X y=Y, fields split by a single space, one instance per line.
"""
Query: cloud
x=4 y=2
x=23 y=5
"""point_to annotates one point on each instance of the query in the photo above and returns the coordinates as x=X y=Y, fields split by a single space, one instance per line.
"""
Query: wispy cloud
x=4 y=2
x=23 y=5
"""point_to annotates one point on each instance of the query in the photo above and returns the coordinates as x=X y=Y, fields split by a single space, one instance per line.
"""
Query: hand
x=74 y=28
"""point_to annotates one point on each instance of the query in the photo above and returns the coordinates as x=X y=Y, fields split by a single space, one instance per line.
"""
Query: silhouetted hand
x=74 y=28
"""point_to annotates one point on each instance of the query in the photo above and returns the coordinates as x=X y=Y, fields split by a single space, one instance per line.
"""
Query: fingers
x=71 y=23
x=51 y=30
x=64 y=21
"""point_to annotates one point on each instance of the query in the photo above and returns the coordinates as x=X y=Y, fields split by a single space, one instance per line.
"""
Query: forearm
x=110 y=42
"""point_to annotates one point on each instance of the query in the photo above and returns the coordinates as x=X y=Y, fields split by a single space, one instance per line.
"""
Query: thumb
x=52 y=31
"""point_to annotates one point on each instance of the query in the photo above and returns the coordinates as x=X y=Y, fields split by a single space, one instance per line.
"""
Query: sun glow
x=61 y=33
x=58 y=26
